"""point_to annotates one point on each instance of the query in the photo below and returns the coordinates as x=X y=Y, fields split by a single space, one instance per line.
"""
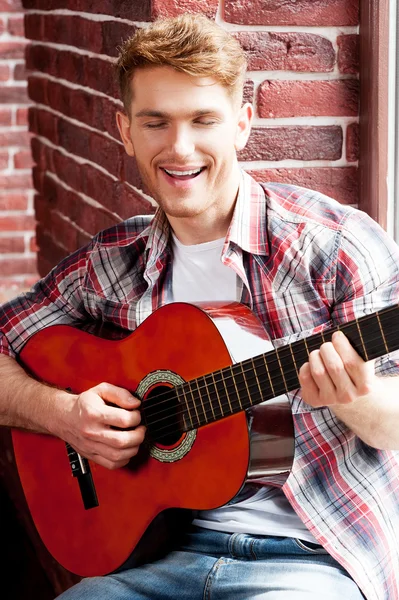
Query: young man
x=302 y=263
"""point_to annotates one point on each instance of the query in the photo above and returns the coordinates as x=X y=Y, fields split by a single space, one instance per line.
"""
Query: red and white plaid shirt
x=306 y=263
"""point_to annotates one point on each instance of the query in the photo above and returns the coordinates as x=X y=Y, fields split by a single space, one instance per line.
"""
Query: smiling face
x=184 y=132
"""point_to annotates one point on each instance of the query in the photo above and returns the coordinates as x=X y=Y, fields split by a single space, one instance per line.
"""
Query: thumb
x=112 y=394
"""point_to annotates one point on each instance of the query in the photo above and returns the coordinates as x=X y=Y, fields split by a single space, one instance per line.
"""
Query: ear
x=243 y=126
x=123 y=124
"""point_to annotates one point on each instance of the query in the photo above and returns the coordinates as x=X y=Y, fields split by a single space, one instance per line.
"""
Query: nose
x=182 y=142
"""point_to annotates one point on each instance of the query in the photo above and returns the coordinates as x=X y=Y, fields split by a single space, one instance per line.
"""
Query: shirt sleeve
x=367 y=277
x=54 y=300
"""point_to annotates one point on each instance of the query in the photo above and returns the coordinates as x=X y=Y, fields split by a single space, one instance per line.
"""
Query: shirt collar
x=247 y=228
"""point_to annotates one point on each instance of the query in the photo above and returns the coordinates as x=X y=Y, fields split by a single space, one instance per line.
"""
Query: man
x=303 y=263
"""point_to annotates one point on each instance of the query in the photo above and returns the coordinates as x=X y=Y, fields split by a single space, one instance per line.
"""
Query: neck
x=212 y=224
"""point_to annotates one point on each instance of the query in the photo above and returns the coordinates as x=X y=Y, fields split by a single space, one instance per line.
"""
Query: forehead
x=168 y=90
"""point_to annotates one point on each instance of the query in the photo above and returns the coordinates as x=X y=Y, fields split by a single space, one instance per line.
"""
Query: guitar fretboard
x=238 y=387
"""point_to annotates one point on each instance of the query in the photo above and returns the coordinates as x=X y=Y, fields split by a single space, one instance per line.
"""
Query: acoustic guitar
x=211 y=425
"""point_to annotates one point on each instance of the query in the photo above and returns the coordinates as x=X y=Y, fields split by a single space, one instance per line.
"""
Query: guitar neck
x=248 y=383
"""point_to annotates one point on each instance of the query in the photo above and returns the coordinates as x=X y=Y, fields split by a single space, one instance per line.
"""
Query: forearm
x=374 y=418
x=27 y=403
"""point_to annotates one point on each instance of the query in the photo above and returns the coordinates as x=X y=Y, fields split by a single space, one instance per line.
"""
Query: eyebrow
x=165 y=115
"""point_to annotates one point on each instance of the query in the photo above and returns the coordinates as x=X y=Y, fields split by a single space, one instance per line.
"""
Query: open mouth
x=184 y=175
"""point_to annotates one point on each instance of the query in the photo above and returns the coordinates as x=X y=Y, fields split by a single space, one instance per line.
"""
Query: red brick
x=113 y=33
x=300 y=12
x=20 y=72
x=50 y=252
x=17 y=223
x=37 y=89
x=14 y=138
x=16 y=26
x=33 y=247
x=10 y=201
x=47 y=125
x=2 y=26
x=23 y=160
x=340 y=183
x=171 y=8
x=22 y=116
x=277 y=51
x=248 y=93
x=348 y=53
x=14 y=95
x=278 y=99
x=4 y=75
x=15 y=182
x=125 y=9
x=5 y=117
x=34 y=26
x=296 y=143
x=12 y=49
x=10 y=5
x=17 y=265
x=3 y=159
x=352 y=142
x=10 y=245
x=41 y=58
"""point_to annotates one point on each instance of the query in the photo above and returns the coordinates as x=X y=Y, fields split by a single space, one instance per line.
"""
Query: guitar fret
x=361 y=339
x=194 y=404
x=235 y=387
x=392 y=333
x=217 y=395
x=268 y=374
x=257 y=380
x=227 y=393
x=209 y=397
x=246 y=385
x=226 y=408
x=202 y=403
x=281 y=369
x=382 y=333
x=186 y=425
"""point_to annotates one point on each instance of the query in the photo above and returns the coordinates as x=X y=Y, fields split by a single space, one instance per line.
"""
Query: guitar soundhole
x=163 y=416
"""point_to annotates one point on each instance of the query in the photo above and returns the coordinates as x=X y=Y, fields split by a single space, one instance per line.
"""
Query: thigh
x=278 y=578
x=180 y=575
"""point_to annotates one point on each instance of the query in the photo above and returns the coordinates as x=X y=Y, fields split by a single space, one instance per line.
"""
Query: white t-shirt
x=199 y=275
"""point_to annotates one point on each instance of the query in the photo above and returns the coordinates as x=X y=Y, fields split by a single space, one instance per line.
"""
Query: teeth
x=183 y=173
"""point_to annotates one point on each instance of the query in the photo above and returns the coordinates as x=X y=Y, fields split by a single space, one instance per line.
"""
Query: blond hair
x=189 y=43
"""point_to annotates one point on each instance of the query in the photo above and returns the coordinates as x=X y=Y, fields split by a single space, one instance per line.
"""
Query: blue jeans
x=211 y=565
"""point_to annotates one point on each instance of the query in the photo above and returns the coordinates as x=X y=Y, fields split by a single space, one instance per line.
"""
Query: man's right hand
x=103 y=425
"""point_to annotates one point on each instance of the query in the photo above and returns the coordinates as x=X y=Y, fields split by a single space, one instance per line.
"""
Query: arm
x=86 y=421
x=362 y=395
x=336 y=376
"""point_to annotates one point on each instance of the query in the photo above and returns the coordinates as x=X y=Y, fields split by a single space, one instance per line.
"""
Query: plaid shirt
x=306 y=263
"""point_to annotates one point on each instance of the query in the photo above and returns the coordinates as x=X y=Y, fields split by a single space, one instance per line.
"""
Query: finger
x=117 y=395
x=335 y=367
x=121 y=418
x=321 y=377
x=123 y=439
x=116 y=438
x=309 y=389
x=360 y=372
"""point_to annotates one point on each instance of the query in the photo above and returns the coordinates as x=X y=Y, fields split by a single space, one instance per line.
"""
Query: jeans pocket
x=310 y=547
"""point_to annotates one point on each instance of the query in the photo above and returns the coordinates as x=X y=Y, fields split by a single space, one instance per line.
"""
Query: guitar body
x=203 y=469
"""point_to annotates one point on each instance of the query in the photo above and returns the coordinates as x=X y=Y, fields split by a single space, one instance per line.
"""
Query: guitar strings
x=251 y=385
x=228 y=378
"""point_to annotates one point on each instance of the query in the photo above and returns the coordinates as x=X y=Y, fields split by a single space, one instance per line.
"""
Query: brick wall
x=17 y=246
x=303 y=81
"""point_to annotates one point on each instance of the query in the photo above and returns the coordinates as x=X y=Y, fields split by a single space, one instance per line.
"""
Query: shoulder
x=295 y=204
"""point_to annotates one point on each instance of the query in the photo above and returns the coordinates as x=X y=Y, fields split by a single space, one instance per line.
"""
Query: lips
x=183 y=175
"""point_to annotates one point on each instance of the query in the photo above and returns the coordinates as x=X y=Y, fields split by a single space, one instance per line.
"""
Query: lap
x=227 y=567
